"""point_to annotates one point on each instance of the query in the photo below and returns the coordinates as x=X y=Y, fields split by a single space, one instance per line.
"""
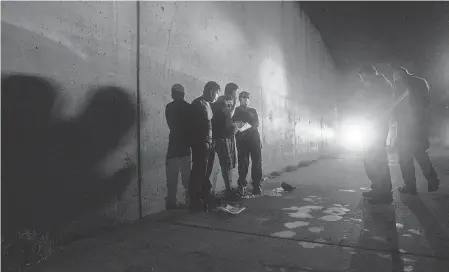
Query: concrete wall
x=270 y=49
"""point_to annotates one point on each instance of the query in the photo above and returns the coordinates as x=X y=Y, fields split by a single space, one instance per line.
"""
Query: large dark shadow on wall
x=50 y=165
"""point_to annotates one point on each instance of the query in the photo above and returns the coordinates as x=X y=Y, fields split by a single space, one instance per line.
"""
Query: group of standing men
x=405 y=100
x=209 y=125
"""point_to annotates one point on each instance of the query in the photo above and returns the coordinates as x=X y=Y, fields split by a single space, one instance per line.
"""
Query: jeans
x=249 y=145
x=173 y=167
x=418 y=152
x=412 y=143
x=376 y=160
x=225 y=149
x=199 y=186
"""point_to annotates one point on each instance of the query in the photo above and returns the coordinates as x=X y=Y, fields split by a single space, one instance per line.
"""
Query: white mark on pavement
x=399 y=225
x=338 y=205
x=336 y=211
x=277 y=192
x=407 y=235
x=352 y=253
x=347 y=190
x=331 y=218
x=378 y=238
x=284 y=234
x=302 y=212
x=366 y=230
x=385 y=256
x=408 y=260
x=414 y=231
x=356 y=220
x=309 y=245
x=308 y=199
x=408 y=268
x=316 y=229
x=402 y=251
x=364 y=189
x=312 y=196
x=296 y=224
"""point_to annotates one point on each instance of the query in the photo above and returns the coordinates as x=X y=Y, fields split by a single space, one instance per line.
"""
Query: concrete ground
x=323 y=225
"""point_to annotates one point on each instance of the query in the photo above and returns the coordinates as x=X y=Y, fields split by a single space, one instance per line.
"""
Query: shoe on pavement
x=407 y=189
x=257 y=190
x=369 y=194
x=385 y=198
x=241 y=190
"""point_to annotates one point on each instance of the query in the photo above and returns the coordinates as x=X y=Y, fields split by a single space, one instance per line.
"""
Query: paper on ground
x=231 y=209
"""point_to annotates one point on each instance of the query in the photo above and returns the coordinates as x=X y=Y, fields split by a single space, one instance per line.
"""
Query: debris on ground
x=287 y=187
x=231 y=209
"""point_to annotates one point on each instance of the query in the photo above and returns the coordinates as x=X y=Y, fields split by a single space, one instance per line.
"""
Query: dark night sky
x=415 y=34
x=367 y=31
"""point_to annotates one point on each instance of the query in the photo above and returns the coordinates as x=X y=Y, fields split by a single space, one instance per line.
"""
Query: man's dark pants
x=249 y=145
x=376 y=162
x=414 y=145
x=225 y=149
x=200 y=186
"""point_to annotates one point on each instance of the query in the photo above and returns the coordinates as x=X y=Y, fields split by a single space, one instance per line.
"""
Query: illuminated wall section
x=270 y=49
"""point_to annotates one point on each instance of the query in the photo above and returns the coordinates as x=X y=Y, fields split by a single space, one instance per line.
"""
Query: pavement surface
x=323 y=225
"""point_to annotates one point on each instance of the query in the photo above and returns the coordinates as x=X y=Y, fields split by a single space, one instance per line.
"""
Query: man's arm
x=255 y=119
x=169 y=116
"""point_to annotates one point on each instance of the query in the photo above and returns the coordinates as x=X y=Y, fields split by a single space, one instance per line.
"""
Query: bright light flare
x=356 y=134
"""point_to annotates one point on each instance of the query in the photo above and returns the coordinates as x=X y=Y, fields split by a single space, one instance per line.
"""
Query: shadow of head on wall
x=50 y=165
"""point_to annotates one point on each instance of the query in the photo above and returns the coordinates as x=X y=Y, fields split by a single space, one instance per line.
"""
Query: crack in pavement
x=189 y=225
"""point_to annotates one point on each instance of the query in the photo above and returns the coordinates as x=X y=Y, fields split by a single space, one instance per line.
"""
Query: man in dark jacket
x=202 y=149
x=377 y=102
x=412 y=136
x=248 y=144
x=224 y=133
x=178 y=153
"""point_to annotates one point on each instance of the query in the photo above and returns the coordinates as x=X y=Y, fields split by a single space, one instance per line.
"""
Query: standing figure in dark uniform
x=202 y=148
x=248 y=144
x=178 y=153
x=412 y=137
x=224 y=134
x=378 y=100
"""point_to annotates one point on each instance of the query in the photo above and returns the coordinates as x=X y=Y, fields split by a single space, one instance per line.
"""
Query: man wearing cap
x=377 y=100
x=412 y=137
x=202 y=148
x=178 y=152
x=248 y=145
x=224 y=133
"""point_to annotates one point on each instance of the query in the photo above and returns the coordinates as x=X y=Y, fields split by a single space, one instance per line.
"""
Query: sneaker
x=241 y=189
x=257 y=190
x=407 y=189
x=385 y=198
